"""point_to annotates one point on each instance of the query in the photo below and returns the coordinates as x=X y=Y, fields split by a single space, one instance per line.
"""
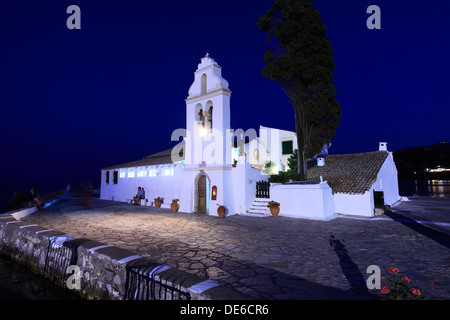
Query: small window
x=142 y=172
x=122 y=173
x=167 y=171
x=153 y=172
x=115 y=178
x=131 y=173
x=107 y=177
x=287 y=147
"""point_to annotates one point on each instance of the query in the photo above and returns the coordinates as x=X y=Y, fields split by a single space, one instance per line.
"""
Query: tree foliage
x=300 y=60
x=292 y=161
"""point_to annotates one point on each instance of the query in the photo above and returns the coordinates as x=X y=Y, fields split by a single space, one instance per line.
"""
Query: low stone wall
x=104 y=271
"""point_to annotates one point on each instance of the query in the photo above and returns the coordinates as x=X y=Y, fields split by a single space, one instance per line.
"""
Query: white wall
x=354 y=204
x=271 y=139
x=387 y=181
x=244 y=184
x=167 y=187
x=311 y=201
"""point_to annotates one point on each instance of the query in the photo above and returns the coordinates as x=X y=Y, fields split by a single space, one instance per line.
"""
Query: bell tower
x=207 y=116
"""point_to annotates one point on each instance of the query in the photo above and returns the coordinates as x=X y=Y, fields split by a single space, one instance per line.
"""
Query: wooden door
x=202 y=194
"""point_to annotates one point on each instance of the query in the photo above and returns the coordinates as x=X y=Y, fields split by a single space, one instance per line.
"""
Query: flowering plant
x=175 y=200
x=398 y=288
x=273 y=204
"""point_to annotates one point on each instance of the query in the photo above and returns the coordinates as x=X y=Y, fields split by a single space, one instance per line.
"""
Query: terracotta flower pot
x=274 y=211
x=174 y=206
x=221 y=211
x=157 y=203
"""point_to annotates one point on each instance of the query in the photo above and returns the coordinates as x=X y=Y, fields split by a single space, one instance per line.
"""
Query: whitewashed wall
x=167 y=187
x=271 y=139
x=244 y=184
x=387 y=181
x=354 y=204
x=310 y=201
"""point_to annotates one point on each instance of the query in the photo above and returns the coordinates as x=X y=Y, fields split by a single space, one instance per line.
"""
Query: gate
x=142 y=283
x=262 y=189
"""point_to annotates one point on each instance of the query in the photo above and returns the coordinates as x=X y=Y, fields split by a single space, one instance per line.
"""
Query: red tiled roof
x=350 y=173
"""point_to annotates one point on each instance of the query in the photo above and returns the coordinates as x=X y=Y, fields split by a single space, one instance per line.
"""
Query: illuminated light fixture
x=203 y=131
x=214 y=193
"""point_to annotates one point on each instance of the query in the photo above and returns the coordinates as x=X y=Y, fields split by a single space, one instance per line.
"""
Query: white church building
x=215 y=165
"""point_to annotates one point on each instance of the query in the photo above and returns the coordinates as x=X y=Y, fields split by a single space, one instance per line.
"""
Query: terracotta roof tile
x=349 y=173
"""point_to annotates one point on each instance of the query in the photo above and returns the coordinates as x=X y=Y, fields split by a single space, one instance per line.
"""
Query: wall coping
x=198 y=288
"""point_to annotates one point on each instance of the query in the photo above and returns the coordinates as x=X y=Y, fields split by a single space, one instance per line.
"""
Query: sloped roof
x=349 y=173
x=162 y=157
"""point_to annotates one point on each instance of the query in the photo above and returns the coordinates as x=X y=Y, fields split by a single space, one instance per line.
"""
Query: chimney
x=383 y=146
x=320 y=162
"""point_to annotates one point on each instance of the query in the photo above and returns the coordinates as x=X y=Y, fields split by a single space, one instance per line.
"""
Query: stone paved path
x=275 y=257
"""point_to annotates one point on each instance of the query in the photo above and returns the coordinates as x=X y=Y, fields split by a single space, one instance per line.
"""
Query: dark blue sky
x=74 y=101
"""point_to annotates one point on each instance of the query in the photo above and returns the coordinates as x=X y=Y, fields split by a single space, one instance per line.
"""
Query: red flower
x=385 y=290
x=406 y=279
x=416 y=291
x=393 y=270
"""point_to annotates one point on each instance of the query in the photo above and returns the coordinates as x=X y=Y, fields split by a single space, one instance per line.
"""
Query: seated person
x=139 y=195
x=35 y=198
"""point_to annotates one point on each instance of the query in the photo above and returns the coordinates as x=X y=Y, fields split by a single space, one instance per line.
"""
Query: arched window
x=210 y=118
x=199 y=115
x=209 y=115
x=203 y=89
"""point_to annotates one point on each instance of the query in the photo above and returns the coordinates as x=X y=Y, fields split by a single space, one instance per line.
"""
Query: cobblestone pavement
x=275 y=257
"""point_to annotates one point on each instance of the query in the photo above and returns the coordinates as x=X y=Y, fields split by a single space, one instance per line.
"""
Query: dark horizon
x=75 y=101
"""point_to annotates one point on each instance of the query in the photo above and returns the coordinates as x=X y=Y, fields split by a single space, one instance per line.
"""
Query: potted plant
x=221 y=210
x=174 y=206
x=234 y=163
x=274 y=208
x=158 y=202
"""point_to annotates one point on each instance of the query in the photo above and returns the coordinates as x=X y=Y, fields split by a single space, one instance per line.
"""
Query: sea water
x=18 y=282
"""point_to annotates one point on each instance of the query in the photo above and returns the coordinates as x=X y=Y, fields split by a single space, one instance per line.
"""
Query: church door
x=202 y=194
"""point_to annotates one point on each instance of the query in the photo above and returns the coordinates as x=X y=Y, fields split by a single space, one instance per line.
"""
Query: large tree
x=300 y=60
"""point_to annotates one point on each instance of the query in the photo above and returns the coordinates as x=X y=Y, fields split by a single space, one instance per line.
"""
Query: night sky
x=75 y=101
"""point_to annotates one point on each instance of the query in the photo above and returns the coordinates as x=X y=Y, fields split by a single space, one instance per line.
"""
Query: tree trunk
x=301 y=168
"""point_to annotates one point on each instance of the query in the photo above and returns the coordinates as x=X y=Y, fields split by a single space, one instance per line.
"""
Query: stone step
x=257 y=200
x=256 y=210
x=259 y=207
